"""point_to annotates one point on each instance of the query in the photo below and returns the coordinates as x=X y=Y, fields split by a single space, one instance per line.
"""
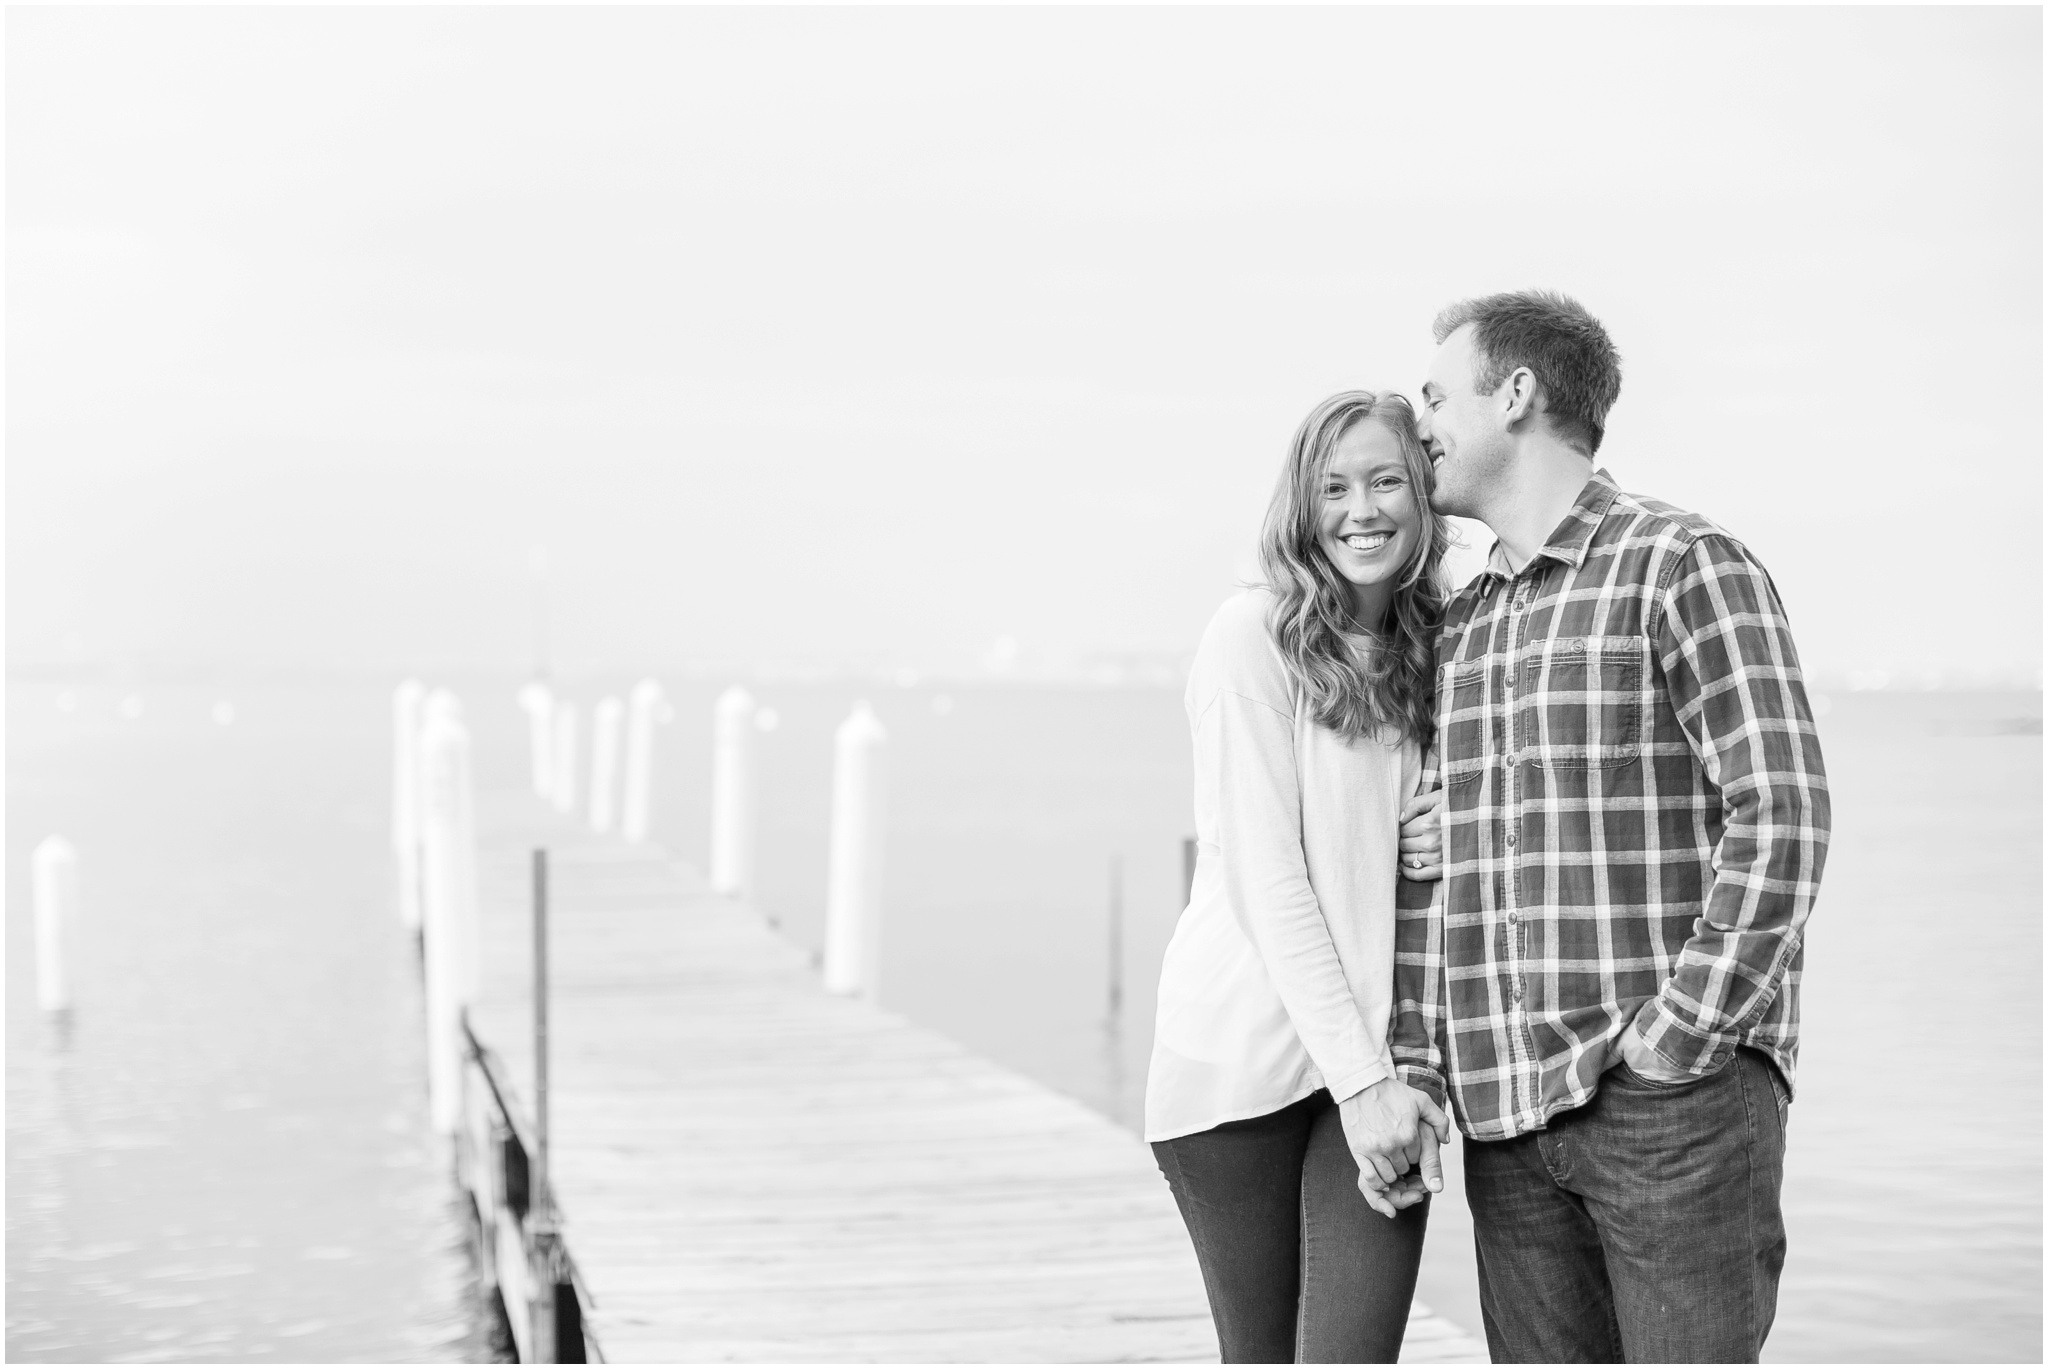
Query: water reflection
x=221 y=1153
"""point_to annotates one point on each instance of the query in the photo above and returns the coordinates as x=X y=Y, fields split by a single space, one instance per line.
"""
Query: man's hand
x=1647 y=1062
x=1391 y=1129
x=1422 y=836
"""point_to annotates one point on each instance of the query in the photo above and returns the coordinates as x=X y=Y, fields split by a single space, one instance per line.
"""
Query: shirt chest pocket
x=1583 y=709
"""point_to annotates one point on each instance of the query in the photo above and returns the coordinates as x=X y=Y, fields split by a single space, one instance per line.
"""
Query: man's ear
x=1522 y=396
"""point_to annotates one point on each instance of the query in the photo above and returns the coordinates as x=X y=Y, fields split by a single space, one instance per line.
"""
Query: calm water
x=225 y=1155
x=224 y=1158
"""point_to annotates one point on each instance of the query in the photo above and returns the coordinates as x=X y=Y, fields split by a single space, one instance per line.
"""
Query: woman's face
x=1371 y=517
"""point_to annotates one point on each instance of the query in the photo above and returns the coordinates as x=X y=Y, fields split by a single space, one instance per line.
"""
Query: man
x=1606 y=980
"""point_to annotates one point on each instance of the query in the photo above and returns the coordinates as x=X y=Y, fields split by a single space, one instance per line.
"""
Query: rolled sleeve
x=1733 y=677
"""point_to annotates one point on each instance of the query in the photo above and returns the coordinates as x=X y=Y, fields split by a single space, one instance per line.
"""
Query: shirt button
x=1510 y=678
x=1513 y=919
x=1511 y=838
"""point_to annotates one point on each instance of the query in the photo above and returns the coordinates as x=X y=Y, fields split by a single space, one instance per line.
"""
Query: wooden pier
x=748 y=1168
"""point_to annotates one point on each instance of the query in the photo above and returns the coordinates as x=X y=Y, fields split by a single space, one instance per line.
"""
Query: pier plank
x=750 y=1169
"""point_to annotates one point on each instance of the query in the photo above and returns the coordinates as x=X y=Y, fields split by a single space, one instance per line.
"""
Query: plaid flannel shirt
x=1634 y=823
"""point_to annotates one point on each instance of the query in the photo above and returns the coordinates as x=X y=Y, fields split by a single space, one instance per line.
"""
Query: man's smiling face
x=1460 y=427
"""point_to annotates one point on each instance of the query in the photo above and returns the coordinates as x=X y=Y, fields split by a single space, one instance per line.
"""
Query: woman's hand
x=1391 y=1129
x=1422 y=836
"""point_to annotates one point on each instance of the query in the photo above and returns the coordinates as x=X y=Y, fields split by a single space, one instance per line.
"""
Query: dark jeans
x=1643 y=1226
x=1298 y=1268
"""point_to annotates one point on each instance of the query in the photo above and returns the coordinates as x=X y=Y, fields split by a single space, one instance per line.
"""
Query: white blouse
x=1279 y=977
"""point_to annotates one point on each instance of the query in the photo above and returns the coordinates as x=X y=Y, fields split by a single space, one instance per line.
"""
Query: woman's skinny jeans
x=1298 y=1268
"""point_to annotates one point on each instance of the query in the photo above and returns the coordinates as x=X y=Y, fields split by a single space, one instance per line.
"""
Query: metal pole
x=540 y=1029
x=540 y=1201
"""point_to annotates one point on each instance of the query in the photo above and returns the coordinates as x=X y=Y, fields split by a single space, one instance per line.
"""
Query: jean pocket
x=1644 y=1081
x=1779 y=1092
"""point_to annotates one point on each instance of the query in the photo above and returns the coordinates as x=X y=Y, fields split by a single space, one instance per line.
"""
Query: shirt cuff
x=1359 y=1080
x=1425 y=1079
x=1677 y=1042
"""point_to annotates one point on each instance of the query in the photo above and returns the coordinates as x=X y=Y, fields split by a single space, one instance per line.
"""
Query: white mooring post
x=406 y=702
x=645 y=707
x=1116 y=940
x=537 y=701
x=54 y=871
x=732 y=793
x=448 y=909
x=853 y=899
x=562 y=759
x=607 y=722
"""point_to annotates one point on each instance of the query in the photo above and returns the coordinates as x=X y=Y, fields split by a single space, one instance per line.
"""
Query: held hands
x=1394 y=1132
x=1422 y=836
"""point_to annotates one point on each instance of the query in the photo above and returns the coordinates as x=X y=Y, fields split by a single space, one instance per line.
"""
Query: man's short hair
x=1565 y=347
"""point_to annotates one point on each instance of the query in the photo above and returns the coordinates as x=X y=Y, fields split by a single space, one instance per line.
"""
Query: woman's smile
x=1368 y=542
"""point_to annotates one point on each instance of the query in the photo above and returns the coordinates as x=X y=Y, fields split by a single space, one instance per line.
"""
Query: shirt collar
x=1568 y=541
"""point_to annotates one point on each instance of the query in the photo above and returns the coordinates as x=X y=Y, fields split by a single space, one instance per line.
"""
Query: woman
x=1310 y=700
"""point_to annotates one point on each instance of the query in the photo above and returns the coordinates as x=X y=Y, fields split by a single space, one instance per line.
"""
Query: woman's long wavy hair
x=1359 y=678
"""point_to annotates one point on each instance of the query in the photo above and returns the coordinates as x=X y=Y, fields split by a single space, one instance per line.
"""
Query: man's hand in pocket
x=1647 y=1063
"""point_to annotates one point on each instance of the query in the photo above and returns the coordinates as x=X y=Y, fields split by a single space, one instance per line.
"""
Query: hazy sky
x=845 y=335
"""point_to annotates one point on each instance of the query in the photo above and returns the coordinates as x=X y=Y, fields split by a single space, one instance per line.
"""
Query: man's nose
x=1422 y=423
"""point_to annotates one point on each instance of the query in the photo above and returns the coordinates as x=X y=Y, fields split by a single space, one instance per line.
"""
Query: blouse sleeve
x=1245 y=759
